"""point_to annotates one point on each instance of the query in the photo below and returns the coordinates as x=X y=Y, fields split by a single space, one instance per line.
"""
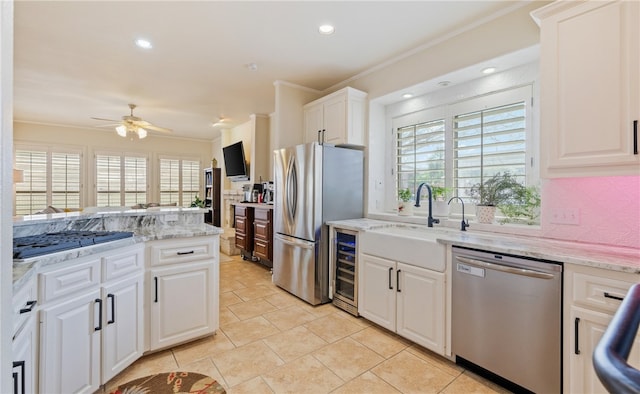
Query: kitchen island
x=152 y=290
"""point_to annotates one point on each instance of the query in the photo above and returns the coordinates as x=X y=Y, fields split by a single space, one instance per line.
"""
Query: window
x=460 y=144
x=179 y=181
x=120 y=180
x=51 y=178
x=487 y=142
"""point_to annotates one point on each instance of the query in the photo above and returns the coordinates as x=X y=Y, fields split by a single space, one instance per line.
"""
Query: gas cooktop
x=41 y=244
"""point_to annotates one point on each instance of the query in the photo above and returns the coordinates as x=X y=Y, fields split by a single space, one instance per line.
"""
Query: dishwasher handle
x=505 y=268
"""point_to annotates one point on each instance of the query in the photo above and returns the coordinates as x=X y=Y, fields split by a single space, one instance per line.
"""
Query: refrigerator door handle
x=292 y=189
x=294 y=242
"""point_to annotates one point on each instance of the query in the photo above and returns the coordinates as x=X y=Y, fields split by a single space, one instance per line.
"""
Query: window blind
x=190 y=181
x=179 y=181
x=120 y=180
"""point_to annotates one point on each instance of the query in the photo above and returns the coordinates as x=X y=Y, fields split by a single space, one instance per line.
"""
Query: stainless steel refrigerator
x=314 y=184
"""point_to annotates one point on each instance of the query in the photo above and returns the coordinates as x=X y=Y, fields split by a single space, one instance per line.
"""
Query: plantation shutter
x=169 y=181
x=190 y=181
x=420 y=154
x=31 y=195
x=108 y=180
x=65 y=180
x=135 y=180
x=487 y=142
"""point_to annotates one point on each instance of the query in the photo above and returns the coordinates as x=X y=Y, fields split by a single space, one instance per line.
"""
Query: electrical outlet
x=565 y=216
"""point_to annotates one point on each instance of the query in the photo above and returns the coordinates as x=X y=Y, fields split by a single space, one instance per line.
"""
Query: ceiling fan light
x=142 y=133
x=121 y=130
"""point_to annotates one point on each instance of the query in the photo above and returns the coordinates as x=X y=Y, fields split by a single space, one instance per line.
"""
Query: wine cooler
x=345 y=270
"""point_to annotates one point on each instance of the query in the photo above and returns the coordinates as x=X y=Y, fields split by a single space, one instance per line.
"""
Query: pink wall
x=608 y=207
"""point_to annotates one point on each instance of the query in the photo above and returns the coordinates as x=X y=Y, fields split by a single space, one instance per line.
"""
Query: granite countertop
x=146 y=224
x=594 y=255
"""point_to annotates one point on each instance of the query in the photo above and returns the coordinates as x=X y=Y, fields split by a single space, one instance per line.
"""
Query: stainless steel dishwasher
x=506 y=317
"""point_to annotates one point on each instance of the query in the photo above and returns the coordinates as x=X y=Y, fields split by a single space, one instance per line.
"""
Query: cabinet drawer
x=121 y=264
x=60 y=283
x=604 y=293
x=262 y=214
x=182 y=250
x=241 y=225
x=262 y=249
x=240 y=211
x=24 y=304
x=262 y=230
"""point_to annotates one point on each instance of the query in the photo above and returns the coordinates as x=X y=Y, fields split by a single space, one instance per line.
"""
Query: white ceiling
x=76 y=59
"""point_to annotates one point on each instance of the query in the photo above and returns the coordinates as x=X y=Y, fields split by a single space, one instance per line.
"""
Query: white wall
x=6 y=193
x=289 y=116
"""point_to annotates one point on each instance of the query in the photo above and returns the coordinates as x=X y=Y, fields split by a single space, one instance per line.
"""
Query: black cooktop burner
x=41 y=244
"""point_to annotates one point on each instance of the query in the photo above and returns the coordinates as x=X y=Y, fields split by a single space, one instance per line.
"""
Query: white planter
x=485 y=213
x=405 y=208
x=440 y=209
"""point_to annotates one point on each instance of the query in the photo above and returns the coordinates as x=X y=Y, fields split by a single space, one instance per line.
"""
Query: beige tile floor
x=271 y=342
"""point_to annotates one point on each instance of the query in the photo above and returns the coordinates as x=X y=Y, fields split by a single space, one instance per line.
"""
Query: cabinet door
x=335 y=120
x=70 y=345
x=420 y=303
x=25 y=356
x=313 y=123
x=589 y=88
x=181 y=303
x=123 y=334
x=590 y=327
x=377 y=291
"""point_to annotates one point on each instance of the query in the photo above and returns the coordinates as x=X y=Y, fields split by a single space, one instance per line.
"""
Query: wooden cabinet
x=590 y=88
x=403 y=298
x=244 y=229
x=212 y=185
x=591 y=298
x=183 y=292
x=337 y=119
x=25 y=340
x=263 y=235
x=91 y=320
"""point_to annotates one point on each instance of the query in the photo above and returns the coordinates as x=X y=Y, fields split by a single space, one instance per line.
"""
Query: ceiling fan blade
x=109 y=125
x=108 y=120
x=156 y=128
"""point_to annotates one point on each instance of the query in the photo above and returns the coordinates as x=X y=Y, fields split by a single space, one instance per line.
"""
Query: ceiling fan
x=130 y=125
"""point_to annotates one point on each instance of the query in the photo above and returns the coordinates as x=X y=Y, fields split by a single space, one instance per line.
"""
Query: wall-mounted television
x=234 y=162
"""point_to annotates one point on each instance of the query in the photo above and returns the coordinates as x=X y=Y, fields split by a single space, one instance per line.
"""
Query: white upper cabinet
x=337 y=119
x=589 y=84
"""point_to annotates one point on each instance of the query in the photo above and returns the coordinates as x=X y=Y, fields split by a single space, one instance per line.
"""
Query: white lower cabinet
x=123 y=332
x=181 y=308
x=591 y=298
x=403 y=298
x=183 y=290
x=91 y=320
x=25 y=340
x=70 y=344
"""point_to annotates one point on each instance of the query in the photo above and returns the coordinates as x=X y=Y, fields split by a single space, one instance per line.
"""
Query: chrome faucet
x=430 y=220
x=465 y=223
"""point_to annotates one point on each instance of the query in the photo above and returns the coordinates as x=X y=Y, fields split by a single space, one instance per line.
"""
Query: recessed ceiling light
x=252 y=66
x=142 y=43
x=489 y=70
x=407 y=95
x=444 y=83
x=326 y=29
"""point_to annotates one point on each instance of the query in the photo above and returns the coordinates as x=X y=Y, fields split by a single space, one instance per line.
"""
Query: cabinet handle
x=99 y=302
x=635 y=137
x=189 y=252
x=398 y=281
x=320 y=137
x=390 y=285
x=28 y=307
x=113 y=309
x=609 y=295
x=576 y=327
x=155 y=285
x=17 y=364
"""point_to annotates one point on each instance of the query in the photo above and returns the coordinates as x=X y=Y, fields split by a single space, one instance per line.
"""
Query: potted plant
x=500 y=189
x=525 y=208
x=405 y=208
x=440 y=208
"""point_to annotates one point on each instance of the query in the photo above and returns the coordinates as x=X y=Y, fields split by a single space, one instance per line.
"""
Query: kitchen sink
x=414 y=245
